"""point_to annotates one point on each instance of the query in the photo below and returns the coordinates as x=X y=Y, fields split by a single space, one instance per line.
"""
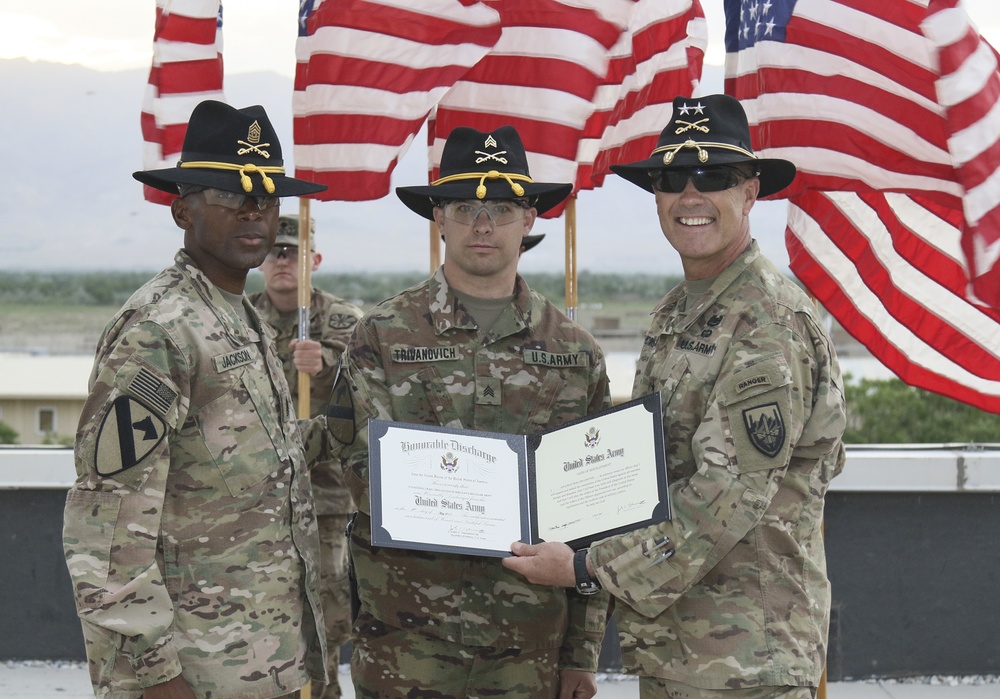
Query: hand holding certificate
x=461 y=491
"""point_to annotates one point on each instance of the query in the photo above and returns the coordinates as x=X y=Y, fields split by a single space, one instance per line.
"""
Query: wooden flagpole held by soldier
x=435 y=246
x=305 y=299
x=571 y=279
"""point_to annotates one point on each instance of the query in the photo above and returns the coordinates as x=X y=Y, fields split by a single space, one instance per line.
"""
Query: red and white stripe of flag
x=968 y=89
x=186 y=69
x=890 y=112
x=849 y=96
x=540 y=78
x=890 y=269
x=659 y=57
x=368 y=74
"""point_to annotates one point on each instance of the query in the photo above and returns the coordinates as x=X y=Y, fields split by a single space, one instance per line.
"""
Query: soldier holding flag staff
x=331 y=320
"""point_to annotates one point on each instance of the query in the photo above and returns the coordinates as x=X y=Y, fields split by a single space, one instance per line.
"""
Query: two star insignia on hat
x=696 y=108
x=683 y=126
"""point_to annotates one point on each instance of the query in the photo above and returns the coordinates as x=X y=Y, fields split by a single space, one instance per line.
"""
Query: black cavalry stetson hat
x=478 y=165
x=236 y=150
x=705 y=131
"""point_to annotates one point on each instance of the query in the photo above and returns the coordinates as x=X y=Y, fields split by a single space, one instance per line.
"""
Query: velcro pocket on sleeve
x=756 y=403
x=88 y=531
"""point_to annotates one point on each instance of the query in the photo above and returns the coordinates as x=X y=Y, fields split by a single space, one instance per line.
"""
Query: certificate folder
x=468 y=492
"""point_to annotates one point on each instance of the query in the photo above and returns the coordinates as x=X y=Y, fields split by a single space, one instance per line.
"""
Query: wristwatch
x=585 y=583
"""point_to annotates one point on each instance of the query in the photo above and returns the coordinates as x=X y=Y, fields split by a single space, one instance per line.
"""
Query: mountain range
x=70 y=140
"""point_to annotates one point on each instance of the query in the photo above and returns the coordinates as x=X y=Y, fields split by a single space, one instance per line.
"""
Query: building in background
x=41 y=396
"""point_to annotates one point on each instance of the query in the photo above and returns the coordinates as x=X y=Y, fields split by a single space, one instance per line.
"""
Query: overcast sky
x=258 y=34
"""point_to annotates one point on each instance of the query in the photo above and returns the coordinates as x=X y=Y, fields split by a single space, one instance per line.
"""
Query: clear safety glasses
x=502 y=212
x=234 y=201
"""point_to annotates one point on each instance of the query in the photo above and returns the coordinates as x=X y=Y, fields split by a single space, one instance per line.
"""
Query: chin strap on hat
x=245 y=180
x=483 y=176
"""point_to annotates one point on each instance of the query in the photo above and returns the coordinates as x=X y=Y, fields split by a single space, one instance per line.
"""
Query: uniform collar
x=447 y=312
x=231 y=321
x=680 y=317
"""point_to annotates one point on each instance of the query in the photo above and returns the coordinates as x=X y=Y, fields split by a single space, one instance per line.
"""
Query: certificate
x=469 y=492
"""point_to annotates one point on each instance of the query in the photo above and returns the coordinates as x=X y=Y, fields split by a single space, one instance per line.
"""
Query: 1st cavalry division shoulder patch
x=766 y=428
x=129 y=433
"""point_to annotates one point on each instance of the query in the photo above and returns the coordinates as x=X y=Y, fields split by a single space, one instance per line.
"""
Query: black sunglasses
x=705 y=179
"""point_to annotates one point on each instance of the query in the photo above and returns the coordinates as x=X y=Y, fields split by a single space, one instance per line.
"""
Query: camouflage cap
x=288 y=232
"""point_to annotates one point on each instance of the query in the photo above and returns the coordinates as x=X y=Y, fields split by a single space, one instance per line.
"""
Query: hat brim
x=422 y=199
x=167 y=180
x=775 y=174
x=530 y=241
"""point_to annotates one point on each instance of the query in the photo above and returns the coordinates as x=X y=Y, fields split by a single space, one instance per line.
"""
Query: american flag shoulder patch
x=157 y=394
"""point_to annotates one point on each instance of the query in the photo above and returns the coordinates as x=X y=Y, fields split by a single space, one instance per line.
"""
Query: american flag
x=658 y=57
x=187 y=69
x=889 y=110
x=541 y=78
x=368 y=73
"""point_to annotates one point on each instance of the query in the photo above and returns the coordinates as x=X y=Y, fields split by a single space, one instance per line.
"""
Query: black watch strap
x=585 y=584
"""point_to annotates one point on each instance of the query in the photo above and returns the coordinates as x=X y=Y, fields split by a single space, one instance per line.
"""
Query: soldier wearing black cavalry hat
x=730 y=597
x=472 y=347
x=190 y=534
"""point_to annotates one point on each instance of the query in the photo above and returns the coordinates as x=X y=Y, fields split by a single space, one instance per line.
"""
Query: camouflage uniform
x=754 y=413
x=189 y=534
x=466 y=380
x=331 y=320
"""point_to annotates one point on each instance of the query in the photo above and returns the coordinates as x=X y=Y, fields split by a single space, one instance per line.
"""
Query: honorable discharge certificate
x=448 y=491
x=472 y=492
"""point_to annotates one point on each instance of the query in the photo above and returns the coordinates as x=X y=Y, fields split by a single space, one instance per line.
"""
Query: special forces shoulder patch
x=765 y=428
x=129 y=433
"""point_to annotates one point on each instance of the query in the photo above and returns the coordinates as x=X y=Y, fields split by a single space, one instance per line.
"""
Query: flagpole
x=435 y=247
x=305 y=301
x=821 y=690
x=305 y=297
x=571 y=290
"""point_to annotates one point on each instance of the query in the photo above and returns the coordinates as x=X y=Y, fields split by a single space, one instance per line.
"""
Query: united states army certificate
x=462 y=491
